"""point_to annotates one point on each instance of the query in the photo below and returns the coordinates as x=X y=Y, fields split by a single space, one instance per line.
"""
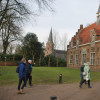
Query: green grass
x=44 y=75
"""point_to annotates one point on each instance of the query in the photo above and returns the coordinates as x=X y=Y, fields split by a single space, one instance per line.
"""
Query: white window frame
x=71 y=59
x=92 y=59
x=83 y=58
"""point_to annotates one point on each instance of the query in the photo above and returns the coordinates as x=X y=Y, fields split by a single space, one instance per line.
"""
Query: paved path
x=44 y=92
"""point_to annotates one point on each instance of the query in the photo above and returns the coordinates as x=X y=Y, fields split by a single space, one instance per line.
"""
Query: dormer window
x=92 y=35
x=71 y=44
x=77 y=44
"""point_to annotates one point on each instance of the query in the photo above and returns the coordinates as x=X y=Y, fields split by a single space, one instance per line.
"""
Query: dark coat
x=28 y=68
x=82 y=70
x=22 y=70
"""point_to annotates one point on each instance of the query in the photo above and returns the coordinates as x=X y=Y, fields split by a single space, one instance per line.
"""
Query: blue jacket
x=82 y=70
x=22 y=70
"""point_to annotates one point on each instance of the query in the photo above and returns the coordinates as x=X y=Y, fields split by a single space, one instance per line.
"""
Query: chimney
x=78 y=30
x=81 y=26
x=76 y=33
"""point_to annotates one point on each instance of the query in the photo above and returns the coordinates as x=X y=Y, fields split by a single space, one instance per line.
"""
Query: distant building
x=50 y=48
x=85 y=46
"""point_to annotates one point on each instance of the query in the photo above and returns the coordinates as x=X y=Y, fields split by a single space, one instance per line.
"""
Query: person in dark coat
x=86 y=77
x=82 y=70
x=28 y=72
x=22 y=76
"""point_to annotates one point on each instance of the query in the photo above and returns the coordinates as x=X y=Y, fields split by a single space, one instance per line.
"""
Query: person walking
x=29 y=72
x=86 y=76
x=82 y=70
x=22 y=76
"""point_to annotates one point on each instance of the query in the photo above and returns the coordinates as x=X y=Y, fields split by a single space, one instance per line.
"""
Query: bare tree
x=56 y=39
x=63 y=42
x=12 y=7
x=9 y=33
x=17 y=49
x=21 y=7
x=12 y=13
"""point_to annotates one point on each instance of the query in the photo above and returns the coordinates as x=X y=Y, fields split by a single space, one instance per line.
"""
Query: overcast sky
x=66 y=19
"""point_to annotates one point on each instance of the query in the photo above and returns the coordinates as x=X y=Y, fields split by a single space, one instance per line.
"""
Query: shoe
x=80 y=86
x=18 y=92
x=21 y=91
x=89 y=86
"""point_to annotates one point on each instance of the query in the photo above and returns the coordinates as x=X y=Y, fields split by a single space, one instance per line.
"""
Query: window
x=83 y=58
x=92 y=58
x=77 y=59
x=71 y=59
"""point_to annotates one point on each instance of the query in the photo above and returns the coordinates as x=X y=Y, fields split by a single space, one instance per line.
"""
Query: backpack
x=17 y=69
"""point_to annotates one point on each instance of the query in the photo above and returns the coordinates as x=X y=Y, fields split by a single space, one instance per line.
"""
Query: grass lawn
x=44 y=75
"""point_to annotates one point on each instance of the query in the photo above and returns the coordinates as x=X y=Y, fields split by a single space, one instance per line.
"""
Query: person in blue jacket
x=22 y=76
x=82 y=70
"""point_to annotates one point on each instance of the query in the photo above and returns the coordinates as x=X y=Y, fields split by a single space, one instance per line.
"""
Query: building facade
x=51 y=51
x=85 y=46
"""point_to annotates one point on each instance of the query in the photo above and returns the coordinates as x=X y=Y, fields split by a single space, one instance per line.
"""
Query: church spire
x=50 y=37
x=49 y=45
x=98 y=16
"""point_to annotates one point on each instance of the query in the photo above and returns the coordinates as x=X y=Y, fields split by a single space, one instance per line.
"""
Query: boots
x=21 y=91
x=89 y=87
x=89 y=84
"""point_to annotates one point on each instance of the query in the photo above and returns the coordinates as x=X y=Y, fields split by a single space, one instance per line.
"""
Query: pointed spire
x=98 y=9
x=50 y=37
x=98 y=16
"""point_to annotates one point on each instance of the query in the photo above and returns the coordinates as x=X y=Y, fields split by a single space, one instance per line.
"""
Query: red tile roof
x=84 y=34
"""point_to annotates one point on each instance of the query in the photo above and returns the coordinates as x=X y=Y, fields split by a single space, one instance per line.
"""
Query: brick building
x=85 y=46
x=51 y=51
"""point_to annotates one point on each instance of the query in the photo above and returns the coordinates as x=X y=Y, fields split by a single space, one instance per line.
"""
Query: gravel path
x=44 y=92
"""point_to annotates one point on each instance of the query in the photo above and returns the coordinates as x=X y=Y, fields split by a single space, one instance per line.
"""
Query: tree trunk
x=40 y=60
x=0 y=1
x=5 y=46
x=5 y=11
x=33 y=59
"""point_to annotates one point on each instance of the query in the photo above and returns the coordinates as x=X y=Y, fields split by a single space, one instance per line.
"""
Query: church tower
x=98 y=16
x=49 y=45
